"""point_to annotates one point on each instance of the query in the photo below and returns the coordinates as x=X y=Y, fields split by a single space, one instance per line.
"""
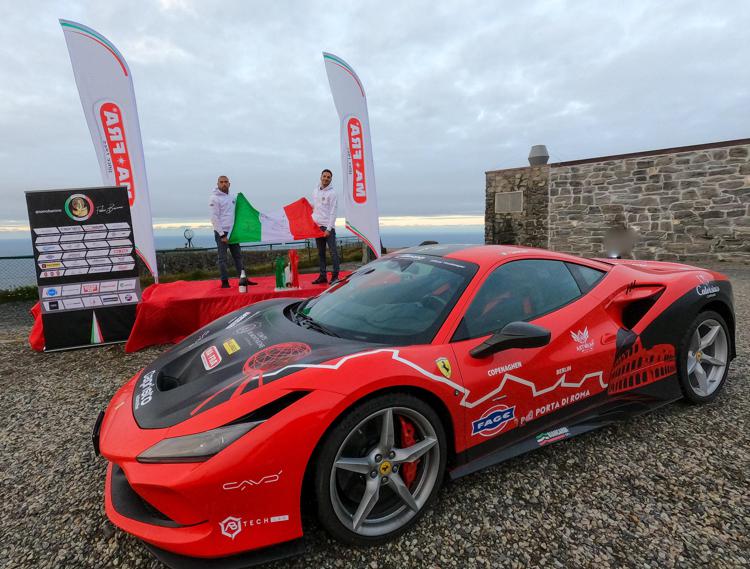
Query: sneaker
x=334 y=280
x=320 y=280
x=224 y=284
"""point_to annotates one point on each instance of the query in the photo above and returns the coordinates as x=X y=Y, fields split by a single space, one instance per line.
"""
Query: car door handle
x=608 y=338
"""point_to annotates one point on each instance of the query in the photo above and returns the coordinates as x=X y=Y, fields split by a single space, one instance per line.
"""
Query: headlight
x=196 y=448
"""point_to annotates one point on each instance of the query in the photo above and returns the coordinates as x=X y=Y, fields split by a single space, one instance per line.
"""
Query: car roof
x=487 y=255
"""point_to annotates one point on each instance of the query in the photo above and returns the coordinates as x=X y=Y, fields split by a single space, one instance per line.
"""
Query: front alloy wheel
x=380 y=468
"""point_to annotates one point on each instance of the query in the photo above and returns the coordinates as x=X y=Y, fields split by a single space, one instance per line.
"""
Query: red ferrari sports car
x=433 y=361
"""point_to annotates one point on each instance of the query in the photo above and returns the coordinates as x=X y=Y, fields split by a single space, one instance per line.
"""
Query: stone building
x=684 y=204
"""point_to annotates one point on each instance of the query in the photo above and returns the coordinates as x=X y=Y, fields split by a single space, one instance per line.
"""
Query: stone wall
x=685 y=204
x=526 y=227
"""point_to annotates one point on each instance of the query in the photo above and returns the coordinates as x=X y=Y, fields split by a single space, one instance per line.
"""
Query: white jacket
x=221 y=206
x=325 y=205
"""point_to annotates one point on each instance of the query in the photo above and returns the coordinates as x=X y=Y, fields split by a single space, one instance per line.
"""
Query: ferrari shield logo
x=444 y=365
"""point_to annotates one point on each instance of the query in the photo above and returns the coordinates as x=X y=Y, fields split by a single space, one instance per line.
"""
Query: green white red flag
x=290 y=223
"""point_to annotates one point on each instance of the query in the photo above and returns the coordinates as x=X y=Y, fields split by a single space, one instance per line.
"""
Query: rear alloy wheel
x=380 y=468
x=704 y=357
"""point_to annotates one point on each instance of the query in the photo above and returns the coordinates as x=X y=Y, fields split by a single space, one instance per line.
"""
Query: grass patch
x=22 y=293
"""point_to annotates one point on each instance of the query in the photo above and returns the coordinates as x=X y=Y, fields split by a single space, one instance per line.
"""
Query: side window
x=519 y=290
x=586 y=277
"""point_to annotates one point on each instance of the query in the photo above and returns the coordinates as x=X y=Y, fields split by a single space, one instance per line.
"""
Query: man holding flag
x=221 y=205
x=325 y=206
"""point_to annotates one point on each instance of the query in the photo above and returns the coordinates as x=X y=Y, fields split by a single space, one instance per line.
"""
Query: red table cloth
x=170 y=312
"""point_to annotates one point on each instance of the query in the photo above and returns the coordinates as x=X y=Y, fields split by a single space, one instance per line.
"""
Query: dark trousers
x=321 y=242
x=236 y=252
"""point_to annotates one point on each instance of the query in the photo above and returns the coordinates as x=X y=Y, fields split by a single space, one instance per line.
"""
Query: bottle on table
x=243 y=282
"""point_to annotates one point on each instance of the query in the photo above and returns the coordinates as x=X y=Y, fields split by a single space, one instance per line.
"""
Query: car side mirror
x=513 y=335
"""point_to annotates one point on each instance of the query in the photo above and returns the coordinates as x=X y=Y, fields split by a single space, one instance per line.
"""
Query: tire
x=703 y=357
x=360 y=475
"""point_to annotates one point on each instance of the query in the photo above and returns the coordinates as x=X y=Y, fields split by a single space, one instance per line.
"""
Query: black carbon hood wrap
x=241 y=351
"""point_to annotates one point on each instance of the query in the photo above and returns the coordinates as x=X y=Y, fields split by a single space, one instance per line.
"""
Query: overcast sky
x=454 y=89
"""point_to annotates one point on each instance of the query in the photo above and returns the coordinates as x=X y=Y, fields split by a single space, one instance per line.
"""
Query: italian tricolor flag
x=290 y=223
x=96 y=331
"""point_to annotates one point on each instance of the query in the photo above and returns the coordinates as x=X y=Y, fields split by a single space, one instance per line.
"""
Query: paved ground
x=666 y=490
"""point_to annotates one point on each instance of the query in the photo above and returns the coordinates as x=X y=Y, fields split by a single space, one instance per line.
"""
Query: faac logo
x=210 y=358
x=114 y=134
x=493 y=421
x=356 y=156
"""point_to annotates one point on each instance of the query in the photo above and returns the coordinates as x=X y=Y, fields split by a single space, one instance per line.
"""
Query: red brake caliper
x=408 y=469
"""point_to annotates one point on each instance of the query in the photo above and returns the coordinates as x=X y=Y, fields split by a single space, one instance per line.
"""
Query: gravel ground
x=666 y=490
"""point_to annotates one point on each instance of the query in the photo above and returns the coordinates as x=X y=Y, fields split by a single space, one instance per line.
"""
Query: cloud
x=454 y=90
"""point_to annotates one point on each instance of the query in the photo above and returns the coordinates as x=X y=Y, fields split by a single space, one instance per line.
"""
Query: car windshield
x=398 y=300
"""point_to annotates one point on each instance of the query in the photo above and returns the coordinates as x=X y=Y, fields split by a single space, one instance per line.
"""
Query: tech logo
x=231 y=527
x=493 y=421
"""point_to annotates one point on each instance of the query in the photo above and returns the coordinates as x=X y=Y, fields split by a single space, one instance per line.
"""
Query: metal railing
x=18 y=270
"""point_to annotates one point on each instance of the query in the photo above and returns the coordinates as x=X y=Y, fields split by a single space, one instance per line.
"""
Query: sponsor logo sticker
x=235 y=321
x=90 y=288
x=113 y=130
x=493 y=420
x=79 y=207
x=210 y=358
x=146 y=392
x=552 y=436
x=706 y=287
x=243 y=484
x=231 y=527
x=357 y=160
x=582 y=339
x=231 y=346
x=50 y=292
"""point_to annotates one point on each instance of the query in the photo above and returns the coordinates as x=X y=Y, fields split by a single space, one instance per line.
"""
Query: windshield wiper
x=308 y=322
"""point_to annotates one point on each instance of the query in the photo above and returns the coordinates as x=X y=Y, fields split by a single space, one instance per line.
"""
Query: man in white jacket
x=221 y=205
x=325 y=205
